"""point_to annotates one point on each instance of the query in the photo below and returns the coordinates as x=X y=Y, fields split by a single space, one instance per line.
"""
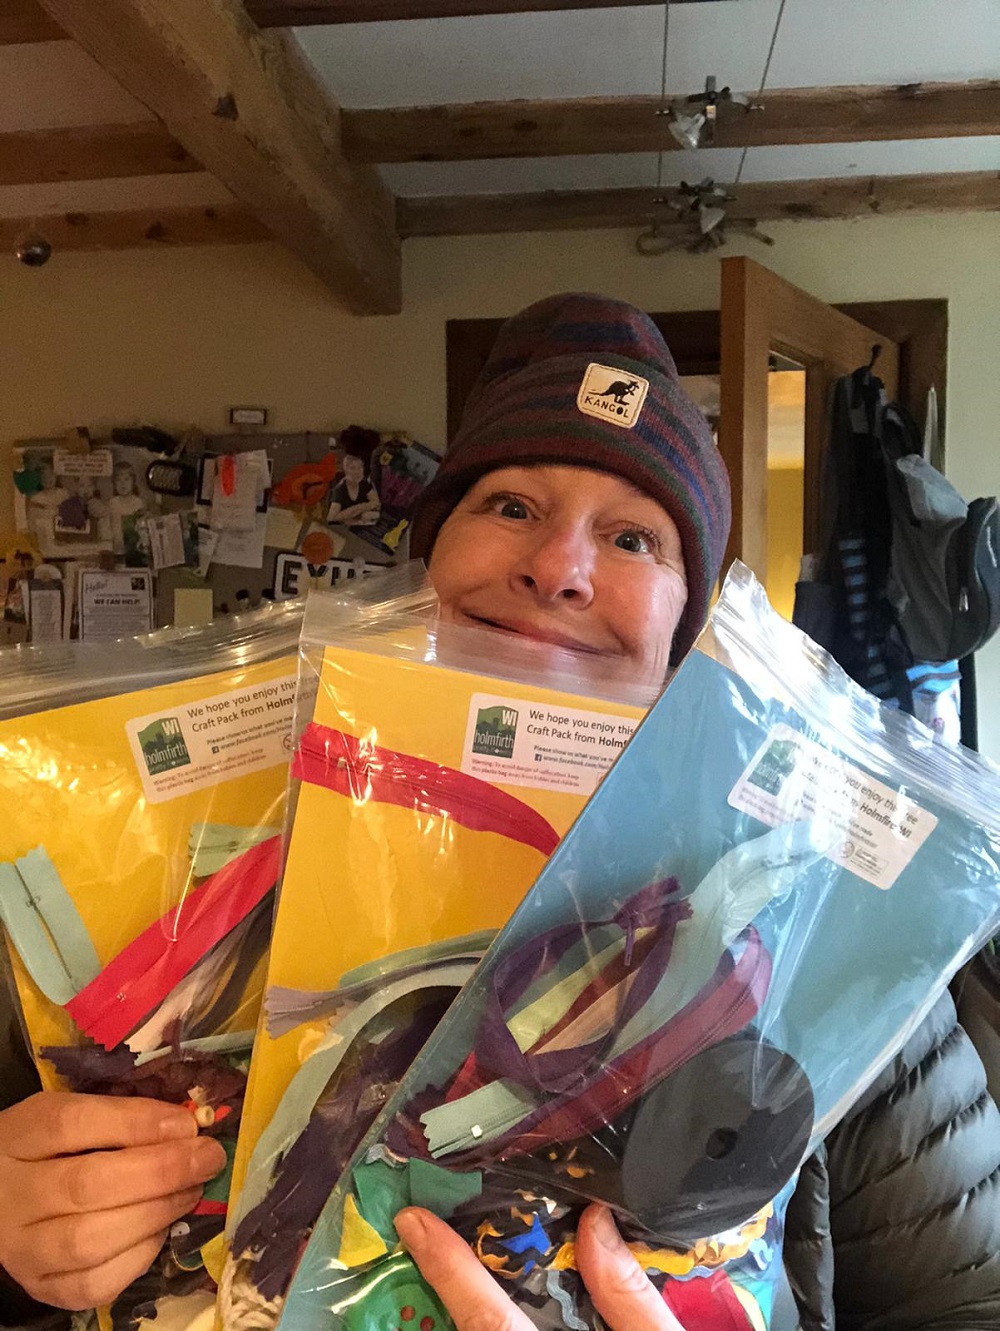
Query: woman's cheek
x=654 y=612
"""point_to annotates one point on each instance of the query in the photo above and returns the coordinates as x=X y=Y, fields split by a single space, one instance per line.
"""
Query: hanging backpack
x=914 y=567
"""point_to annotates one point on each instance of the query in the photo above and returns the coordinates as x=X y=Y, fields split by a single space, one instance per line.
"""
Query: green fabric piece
x=383 y=1190
x=217 y=1189
x=442 y=1190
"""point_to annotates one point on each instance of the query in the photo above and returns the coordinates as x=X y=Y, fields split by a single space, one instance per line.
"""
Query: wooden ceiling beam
x=773 y=201
x=91 y=152
x=247 y=106
x=308 y=13
x=143 y=228
x=478 y=130
x=26 y=21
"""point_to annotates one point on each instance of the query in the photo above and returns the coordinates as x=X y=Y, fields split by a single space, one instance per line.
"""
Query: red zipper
x=140 y=977
x=367 y=772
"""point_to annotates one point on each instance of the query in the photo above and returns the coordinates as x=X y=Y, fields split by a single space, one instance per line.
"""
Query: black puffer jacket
x=895 y=1224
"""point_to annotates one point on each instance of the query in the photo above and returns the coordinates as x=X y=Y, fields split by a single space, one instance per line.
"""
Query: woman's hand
x=90 y=1185
x=617 y=1284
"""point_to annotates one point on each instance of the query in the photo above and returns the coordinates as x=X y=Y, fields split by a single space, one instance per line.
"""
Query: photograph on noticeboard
x=83 y=505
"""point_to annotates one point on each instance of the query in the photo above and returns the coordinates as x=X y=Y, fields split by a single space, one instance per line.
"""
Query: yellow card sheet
x=367 y=877
x=134 y=800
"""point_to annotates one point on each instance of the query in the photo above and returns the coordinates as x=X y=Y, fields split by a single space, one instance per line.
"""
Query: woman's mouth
x=535 y=632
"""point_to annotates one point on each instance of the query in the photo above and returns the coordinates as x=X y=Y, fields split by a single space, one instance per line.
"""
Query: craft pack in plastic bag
x=757 y=906
x=136 y=880
x=433 y=782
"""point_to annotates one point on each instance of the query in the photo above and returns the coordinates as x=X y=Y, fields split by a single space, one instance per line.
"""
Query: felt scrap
x=382 y=1192
x=213 y=1254
x=706 y=1303
x=359 y=1242
x=441 y=1190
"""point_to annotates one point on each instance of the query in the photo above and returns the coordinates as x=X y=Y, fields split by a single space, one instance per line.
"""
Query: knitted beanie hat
x=582 y=380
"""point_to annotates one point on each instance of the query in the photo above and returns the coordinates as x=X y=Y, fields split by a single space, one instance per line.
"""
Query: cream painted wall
x=176 y=336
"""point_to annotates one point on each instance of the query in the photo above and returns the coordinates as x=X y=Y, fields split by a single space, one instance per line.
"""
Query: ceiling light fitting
x=704 y=224
x=693 y=119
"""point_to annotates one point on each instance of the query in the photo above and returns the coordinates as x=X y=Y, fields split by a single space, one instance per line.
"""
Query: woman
x=354 y=501
x=583 y=506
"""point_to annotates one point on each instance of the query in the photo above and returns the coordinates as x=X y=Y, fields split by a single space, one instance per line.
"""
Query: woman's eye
x=512 y=508
x=635 y=541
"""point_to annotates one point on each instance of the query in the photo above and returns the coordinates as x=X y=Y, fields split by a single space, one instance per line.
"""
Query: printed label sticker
x=200 y=744
x=539 y=746
x=870 y=829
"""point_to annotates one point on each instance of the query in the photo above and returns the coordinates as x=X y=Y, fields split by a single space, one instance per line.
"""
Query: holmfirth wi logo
x=496 y=730
x=612 y=395
x=776 y=764
x=163 y=747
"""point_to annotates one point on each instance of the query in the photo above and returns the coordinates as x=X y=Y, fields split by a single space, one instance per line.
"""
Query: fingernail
x=606 y=1231
x=176 y=1127
x=209 y=1157
x=411 y=1226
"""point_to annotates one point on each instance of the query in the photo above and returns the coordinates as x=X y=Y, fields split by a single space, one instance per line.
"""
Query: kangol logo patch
x=612 y=395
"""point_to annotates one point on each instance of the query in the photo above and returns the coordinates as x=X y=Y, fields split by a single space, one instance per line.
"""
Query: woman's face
x=572 y=558
x=354 y=469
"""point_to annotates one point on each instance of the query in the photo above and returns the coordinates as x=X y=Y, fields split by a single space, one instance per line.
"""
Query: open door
x=763 y=315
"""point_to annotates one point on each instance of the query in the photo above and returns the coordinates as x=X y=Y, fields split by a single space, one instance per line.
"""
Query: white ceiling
x=561 y=54
x=618 y=52
x=609 y=52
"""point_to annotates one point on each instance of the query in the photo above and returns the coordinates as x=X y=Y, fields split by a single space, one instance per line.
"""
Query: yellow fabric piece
x=711 y=1252
x=213 y=1254
x=359 y=1242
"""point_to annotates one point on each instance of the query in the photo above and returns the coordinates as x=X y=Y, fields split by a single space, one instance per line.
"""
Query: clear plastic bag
x=136 y=881
x=433 y=781
x=758 y=905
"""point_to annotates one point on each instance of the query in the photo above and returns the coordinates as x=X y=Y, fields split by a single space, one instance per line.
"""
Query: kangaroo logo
x=620 y=391
x=609 y=396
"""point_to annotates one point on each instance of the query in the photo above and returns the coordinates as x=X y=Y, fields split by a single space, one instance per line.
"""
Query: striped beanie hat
x=582 y=380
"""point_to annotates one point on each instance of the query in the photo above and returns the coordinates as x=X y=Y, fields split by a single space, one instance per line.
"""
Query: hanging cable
x=763 y=80
x=649 y=242
x=663 y=93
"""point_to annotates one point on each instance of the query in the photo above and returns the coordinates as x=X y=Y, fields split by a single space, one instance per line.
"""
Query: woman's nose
x=559 y=566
